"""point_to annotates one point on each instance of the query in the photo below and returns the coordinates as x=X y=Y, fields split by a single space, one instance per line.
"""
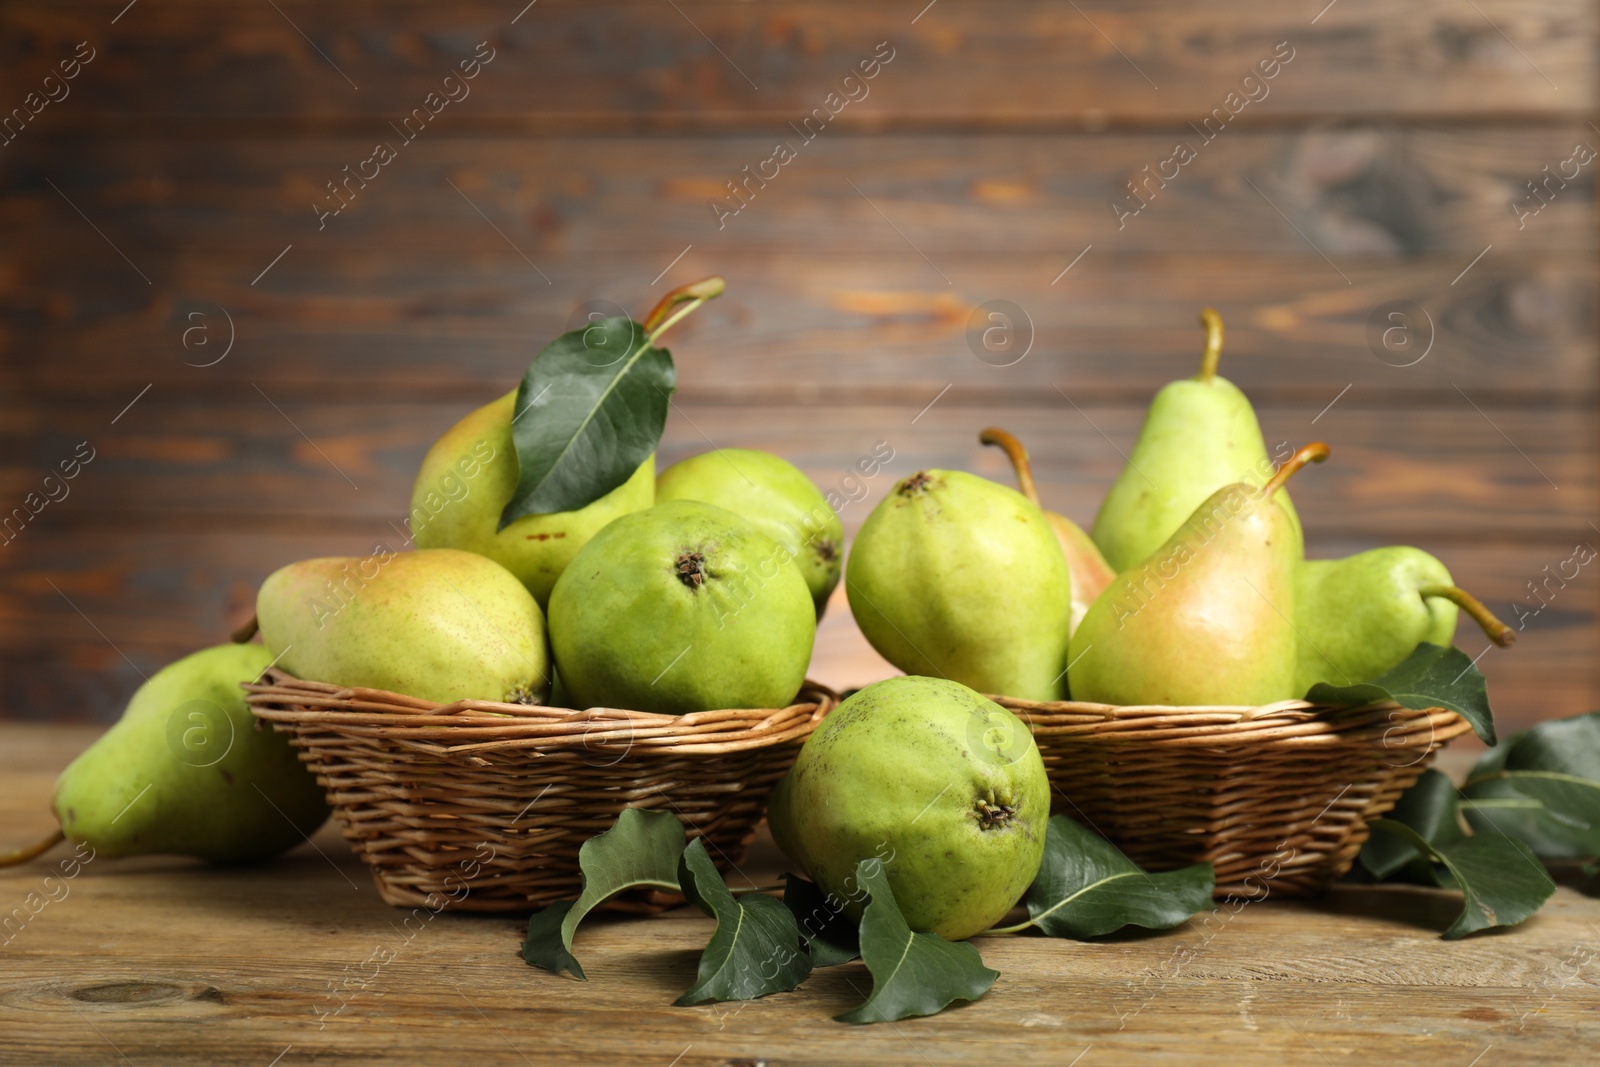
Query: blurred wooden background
x=163 y=205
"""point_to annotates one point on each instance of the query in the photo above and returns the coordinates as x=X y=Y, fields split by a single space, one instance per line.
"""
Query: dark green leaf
x=590 y=410
x=1502 y=882
x=1429 y=808
x=1086 y=887
x=1557 y=818
x=544 y=947
x=912 y=973
x=1431 y=677
x=642 y=849
x=756 y=947
x=830 y=935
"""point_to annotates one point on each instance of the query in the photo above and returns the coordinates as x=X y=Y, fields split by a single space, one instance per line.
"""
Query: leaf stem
x=997 y=931
x=746 y=890
x=666 y=313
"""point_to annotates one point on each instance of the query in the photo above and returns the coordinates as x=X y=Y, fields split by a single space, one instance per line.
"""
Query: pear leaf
x=756 y=947
x=1430 y=808
x=1558 y=817
x=544 y=947
x=641 y=849
x=912 y=973
x=589 y=411
x=1086 y=887
x=1501 y=881
x=830 y=935
x=1431 y=677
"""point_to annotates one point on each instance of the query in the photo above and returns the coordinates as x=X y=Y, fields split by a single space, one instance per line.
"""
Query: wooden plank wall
x=166 y=200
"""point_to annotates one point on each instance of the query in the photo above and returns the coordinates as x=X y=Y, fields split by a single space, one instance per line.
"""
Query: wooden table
x=163 y=961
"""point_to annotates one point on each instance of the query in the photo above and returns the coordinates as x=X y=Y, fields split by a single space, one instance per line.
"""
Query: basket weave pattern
x=1277 y=798
x=484 y=805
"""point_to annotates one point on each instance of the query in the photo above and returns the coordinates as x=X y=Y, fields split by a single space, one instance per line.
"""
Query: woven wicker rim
x=479 y=726
x=1288 y=723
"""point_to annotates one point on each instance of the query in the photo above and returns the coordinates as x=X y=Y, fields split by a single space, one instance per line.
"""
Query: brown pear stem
x=1315 y=452
x=1208 y=360
x=1018 y=456
x=244 y=633
x=667 y=312
x=38 y=848
x=1493 y=628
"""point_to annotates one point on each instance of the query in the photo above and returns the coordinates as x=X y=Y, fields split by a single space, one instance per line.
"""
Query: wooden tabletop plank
x=644 y=65
x=167 y=961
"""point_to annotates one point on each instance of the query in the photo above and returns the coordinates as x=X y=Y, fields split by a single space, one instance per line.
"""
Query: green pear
x=188 y=770
x=1207 y=619
x=436 y=623
x=773 y=496
x=680 y=608
x=1360 y=617
x=1199 y=435
x=954 y=576
x=468 y=477
x=944 y=787
x=1089 y=570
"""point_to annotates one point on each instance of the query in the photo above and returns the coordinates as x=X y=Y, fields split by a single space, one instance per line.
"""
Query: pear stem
x=1208 y=360
x=244 y=633
x=1493 y=628
x=1018 y=456
x=39 y=848
x=1315 y=452
x=667 y=312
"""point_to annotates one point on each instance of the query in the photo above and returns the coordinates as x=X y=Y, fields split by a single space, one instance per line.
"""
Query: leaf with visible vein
x=912 y=973
x=1086 y=887
x=754 y=934
x=641 y=849
x=589 y=411
x=1429 y=807
x=1431 y=677
x=1501 y=881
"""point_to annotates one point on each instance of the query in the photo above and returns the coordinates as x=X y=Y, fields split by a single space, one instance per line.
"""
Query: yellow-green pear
x=954 y=576
x=435 y=623
x=1358 y=618
x=681 y=608
x=1089 y=569
x=468 y=477
x=775 y=497
x=1208 y=619
x=188 y=770
x=1199 y=435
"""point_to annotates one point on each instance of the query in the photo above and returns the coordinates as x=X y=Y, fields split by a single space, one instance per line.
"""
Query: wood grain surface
x=160 y=215
x=154 y=960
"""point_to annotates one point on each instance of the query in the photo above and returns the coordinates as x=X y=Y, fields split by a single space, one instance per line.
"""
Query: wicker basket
x=1277 y=798
x=483 y=806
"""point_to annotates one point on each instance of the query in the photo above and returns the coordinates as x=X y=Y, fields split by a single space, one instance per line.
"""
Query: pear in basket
x=187 y=771
x=468 y=477
x=1358 y=618
x=1207 y=619
x=1089 y=569
x=436 y=623
x=775 y=497
x=954 y=576
x=1199 y=435
x=681 y=608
